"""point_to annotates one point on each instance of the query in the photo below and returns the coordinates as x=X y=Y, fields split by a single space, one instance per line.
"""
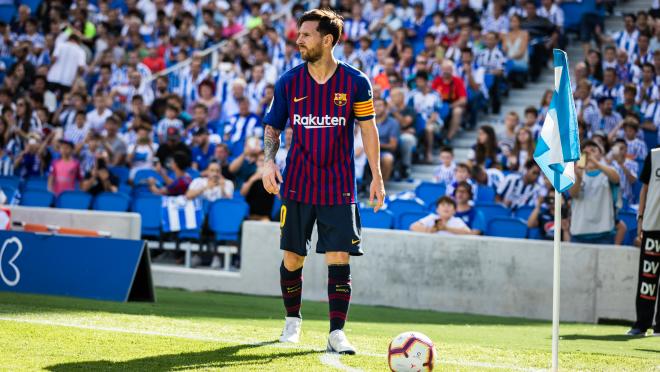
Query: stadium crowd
x=116 y=96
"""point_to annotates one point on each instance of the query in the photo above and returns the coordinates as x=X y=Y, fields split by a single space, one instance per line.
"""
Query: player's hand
x=377 y=190
x=271 y=177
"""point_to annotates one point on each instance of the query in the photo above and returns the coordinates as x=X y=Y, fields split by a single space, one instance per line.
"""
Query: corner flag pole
x=555 y=283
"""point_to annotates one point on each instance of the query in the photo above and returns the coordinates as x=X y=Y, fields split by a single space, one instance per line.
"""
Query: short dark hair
x=181 y=159
x=531 y=110
x=446 y=200
x=592 y=143
x=447 y=149
x=466 y=185
x=330 y=23
x=531 y=163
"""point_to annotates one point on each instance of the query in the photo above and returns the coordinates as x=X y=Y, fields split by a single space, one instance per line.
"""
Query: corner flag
x=558 y=144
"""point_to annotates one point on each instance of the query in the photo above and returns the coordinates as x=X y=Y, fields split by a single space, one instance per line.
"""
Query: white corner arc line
x=197 y=337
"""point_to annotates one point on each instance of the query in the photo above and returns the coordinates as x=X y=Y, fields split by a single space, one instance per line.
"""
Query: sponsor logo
x=355 y=241
x=340 y=99
x=650 y=269
x=11 y=279
x=652 y=247
x=296 y=99
x=647 y=291
x=326 y=121
x=282 y=216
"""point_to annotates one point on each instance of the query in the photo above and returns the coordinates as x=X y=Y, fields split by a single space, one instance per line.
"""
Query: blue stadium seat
x=534 y=233
x=10 y=181
x=111 y=201
x=194 y=173
x=507 y=227
x=125 y=188
x=149 y=207
x=7 y=12
x=398 y=206
x=408 y=218
x=378 y=220
x=10 y=193
x=74 y=200
x=485 y=194
x=36 y=183
x=430 y=192
x=120 y=172
x=523 y=212
x=492 y=210
x=630 y=219
x=651 y=139
x=37 y=198
x=226 y=217
x=142 y=176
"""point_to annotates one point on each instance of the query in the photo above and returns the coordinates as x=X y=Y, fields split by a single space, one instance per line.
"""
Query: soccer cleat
x=338 y=343
x=291 y=331
x=636 y=332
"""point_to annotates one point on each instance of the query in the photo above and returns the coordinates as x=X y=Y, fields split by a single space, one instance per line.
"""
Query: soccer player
x=321 y=99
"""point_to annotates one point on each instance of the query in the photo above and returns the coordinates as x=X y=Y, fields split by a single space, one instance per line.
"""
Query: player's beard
x=311 y=54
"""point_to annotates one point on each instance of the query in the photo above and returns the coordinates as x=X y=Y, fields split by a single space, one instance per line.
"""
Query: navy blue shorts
x=338 y=227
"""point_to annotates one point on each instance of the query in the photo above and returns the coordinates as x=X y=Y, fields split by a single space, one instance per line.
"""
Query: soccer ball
x=411 y=351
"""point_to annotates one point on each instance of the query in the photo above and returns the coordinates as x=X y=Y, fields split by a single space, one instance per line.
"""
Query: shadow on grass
x=600 y=337
x=182 y=304
x=219 y=358
x=649 y=350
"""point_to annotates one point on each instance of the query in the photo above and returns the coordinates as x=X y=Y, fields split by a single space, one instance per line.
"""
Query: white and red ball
x=411 y=351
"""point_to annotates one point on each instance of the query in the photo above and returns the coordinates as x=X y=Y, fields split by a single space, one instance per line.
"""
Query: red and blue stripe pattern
x=320 y=168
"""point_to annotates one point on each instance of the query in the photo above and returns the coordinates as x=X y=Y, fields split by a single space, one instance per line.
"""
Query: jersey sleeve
x=278 y=111
x=363 y=105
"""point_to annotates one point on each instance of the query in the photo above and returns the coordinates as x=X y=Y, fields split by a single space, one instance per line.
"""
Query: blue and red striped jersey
x=320 y=168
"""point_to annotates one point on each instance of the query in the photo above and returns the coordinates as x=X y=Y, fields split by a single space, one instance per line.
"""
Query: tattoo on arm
x=271 y=142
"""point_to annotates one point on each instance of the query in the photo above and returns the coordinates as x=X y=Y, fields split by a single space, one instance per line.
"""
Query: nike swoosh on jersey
x=296 y=99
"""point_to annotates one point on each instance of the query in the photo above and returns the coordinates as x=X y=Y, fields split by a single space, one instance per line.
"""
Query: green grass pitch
x=213 y=331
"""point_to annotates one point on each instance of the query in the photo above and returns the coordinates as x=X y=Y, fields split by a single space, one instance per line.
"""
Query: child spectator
x=472 y=217
x=444 y=173
x=177 y=185
x=212 y=186
x=64 y=172
x=443 y=222
x=517 y=190
x=462 y=173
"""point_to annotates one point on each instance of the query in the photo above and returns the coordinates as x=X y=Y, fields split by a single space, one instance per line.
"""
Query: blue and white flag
x=179 y=213
x=558 y=145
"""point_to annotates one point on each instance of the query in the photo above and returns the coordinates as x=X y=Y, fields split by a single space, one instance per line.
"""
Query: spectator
x=245 y=164
x=444 y=173
x=477 y=92
x=30 y=162
x=97 y=117
x=518 y=190
x=206 y=100
x=113 y=144
x=515 y=45
x=427 y=104
x=522 y=151
x=637 y=149
x=242 y=125
x=77 y=132
x=388 y=133
x=607 y=119
x=69 y=61
x=283 y=151
x=485 y=151
x=221 y=156
x=173 y=186
x=360 y=157
x=141 y=154
x=89 y=151
x=259 y=200
x=405 y=116
x=472 y=217
x=628 y=106
x=171 y=120
x=543 y=217
x=508 y=139
x=452 y=91
x=609 y=88
x=99 y=179
x=592 y=217
x=626 y=71
x=542 y=30
x=462 y=173
x=625 y=167
x=492 y=59
x=170 y=146
x=203 y=149
x=212 y=186
x=443 y=221
x=65 y=171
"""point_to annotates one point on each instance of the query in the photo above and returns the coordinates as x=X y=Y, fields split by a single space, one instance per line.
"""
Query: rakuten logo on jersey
x=326 y=121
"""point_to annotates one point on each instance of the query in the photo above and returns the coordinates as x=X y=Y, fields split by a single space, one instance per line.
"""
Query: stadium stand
x=129 y=85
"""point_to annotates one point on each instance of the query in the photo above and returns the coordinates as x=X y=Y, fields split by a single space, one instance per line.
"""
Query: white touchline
x=196 y=337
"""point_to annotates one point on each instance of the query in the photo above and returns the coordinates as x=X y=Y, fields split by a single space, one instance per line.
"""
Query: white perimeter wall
x=120 y=225
x=493 y=276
